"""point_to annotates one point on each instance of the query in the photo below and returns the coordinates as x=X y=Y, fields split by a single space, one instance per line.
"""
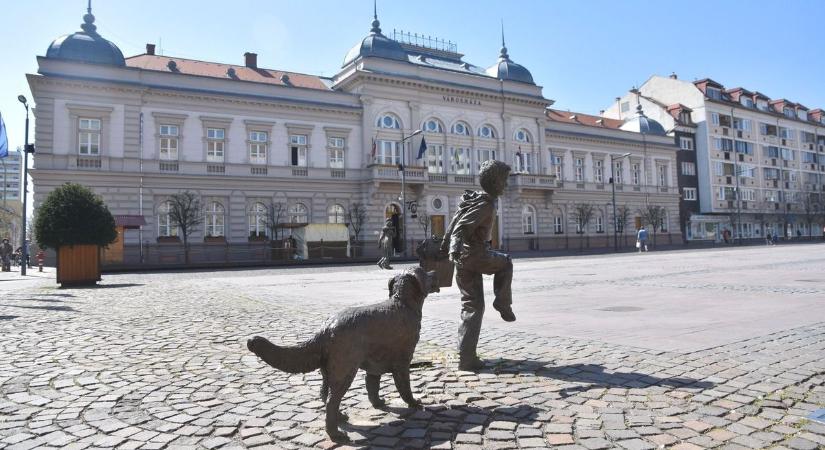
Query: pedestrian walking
x=641 y=239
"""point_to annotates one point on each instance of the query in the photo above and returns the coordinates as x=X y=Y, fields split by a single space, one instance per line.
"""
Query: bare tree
x=622 y=219
x=356 y=216
x=275 y=214
x=653 y=215
x=811 y=205
x=424 y=221
x=583 y=213
x=185 y=212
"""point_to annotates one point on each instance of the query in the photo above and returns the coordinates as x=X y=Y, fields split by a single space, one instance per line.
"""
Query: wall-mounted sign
x=463 y=100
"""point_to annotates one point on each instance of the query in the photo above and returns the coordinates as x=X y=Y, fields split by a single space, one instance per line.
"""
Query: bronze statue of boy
x=468 y=244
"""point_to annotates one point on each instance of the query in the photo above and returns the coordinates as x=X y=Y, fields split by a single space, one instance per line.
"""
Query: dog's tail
x=301 y=358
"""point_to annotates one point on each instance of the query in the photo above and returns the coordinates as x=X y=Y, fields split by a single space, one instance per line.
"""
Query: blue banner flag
x=4 y=139
x=422 y=148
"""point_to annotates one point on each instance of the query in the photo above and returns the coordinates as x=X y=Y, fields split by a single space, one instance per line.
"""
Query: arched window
x=257 y=220
x=523 y=135
x=460 y=128
x=336 y=214
x=487 y=131
x=433 y=126
x=388 y=121
x=166 y=227
x=214 y=219
x=528 y=219
x=298 y=213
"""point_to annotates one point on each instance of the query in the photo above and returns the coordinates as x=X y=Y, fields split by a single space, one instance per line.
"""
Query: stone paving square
x=714 y=348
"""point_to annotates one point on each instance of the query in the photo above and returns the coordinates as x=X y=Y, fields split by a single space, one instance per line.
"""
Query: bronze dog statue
x=377 y=338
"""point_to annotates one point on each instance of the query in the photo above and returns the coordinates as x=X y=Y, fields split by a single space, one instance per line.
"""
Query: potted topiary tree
x=76 y=223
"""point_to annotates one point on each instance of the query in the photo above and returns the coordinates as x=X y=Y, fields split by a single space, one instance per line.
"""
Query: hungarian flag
x=373 y=150
x=4 y=139
x=422 y=148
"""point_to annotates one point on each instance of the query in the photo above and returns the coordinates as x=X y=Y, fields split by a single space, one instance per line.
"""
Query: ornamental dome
x=86 y=45
x=506 y=69
x=640 y=123
x=376 y=45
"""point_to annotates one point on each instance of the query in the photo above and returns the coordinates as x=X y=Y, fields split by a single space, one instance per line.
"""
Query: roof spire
x=89 y=20
x=503 y=54
x=376 y=25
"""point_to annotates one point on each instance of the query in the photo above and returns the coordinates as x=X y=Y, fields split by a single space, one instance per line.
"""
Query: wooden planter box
x=78 y=265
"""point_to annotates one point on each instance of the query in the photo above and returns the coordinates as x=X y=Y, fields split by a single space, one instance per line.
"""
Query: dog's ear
x=390 y=284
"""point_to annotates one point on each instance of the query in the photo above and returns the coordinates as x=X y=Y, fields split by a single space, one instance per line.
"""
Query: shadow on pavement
x=101 y=286
x=47 y=308
x=8 y=317
x=594 y=374
x=446 y=421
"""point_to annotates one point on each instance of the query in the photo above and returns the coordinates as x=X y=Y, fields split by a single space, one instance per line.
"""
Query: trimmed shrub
x=72 y=214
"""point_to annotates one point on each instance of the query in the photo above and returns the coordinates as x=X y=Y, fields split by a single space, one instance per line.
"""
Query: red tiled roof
x=582 y=119
x=218 y=70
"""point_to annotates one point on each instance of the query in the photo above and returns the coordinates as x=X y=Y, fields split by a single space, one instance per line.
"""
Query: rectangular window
x=787 y=133
x=484 y=154
x=215 y=144
x=688 y=168
x=744 y=147
x=714 y=118
x=661 y=172
x=771 y=151
x=460 y=160
x=686 y=143
x=298 y=150
x=618 y=168
x=558 y=228
x=169 y=135
x=746 y=171
x=742 y=124
x=524 y=162
x=787 y=154
x=747 y=102
x=767 y=129
x=770 y=173
x=435 y=158
x=771 y=196
x=722 y=144
x=599 y=224
x=579 y=165
x=808 y=157
x=88 y=136
x=689 y=194
x=257 y=146
x=713 y=93
x=335 y=150
x=636 y=173
x=718 y=168
x=725 y=193
x=748 y=195
x=389 y=152
x=557 y=162
x=598 y=171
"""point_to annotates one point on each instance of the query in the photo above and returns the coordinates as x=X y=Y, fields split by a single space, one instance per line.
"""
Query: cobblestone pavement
x=159 y=361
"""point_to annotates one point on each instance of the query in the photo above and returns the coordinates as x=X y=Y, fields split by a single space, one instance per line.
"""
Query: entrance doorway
x=393 y=212
x=437 y=225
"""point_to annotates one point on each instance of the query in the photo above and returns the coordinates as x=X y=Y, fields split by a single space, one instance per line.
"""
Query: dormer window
x=487 y=131
x=802 y=114
x=713 y=93
x=388 y=121
x=684 y=117
x=522 y=136
x=433 y=126
x=461 y=128
x=746 y=101
x=789 y=112
x=762 y=105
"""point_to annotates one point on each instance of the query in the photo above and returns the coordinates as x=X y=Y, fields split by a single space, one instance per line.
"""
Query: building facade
x=11 y=203
x=251 y=141
x=759 y=162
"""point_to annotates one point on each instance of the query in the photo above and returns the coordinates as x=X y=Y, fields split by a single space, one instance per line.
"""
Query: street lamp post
x=613 y=188
x=23 y=246
x=402 y=168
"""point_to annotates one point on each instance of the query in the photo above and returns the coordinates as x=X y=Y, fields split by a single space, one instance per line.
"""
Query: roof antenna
x=89 y=20
x=503 y=46
x=376 y=25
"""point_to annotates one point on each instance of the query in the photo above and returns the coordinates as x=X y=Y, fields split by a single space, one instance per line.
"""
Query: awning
x=129 y=221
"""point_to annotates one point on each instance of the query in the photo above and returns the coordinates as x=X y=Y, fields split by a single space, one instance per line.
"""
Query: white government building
x=246 y=139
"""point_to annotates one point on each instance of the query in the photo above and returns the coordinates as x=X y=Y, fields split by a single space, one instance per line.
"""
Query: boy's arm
x=465 y=227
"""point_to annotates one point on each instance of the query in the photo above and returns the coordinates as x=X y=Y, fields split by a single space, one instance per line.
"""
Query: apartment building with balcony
x=249 y=140
x=759 y=161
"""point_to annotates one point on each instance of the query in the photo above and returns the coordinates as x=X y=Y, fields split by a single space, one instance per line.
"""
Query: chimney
x=601 y=112
x=673 y=76
x=251 y=60
x=150 y=49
